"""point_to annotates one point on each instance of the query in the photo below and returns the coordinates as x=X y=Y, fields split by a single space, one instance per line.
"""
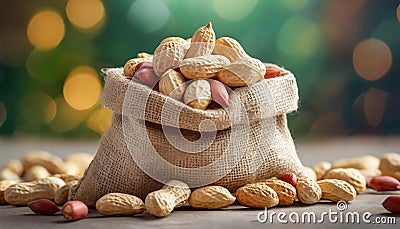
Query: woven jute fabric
x=246 y=142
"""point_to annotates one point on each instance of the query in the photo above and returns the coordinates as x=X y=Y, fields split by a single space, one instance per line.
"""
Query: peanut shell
x=202 y=42
x=203 y=67
x=243 y=72
x=198 y=94
x=211 y=197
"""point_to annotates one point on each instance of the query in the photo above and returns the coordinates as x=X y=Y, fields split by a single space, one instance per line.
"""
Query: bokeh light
x=372 y=58
x=300 y=37
x=234 y=11
x=3 y=113
x=328 y=124
x=342 y=53
x=85 y=13
x=148 y=15
x=82 y=88
x=67 y=118
x=46 y=30
x=100 y=120
x=374 y=106
x=39 y=106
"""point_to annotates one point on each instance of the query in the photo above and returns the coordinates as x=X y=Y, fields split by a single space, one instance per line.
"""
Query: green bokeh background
x=314 y=39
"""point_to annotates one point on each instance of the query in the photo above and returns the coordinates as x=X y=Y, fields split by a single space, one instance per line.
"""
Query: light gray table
x=233 y=217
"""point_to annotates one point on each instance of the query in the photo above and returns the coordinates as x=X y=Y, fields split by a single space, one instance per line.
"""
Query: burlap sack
x=144 y=146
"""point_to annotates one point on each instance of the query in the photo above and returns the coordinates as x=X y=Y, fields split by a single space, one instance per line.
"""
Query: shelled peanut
x=177 y=64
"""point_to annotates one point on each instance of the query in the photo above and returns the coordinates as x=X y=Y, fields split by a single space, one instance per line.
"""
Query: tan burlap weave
x=246 y=144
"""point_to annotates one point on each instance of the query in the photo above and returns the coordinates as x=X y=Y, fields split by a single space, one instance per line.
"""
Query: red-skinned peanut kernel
x=290 y=178
x=74 y=210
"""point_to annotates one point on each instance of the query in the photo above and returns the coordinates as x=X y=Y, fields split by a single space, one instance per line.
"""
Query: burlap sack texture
x=269 y=147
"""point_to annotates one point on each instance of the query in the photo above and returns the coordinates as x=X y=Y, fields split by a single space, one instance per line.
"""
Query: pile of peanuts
x=43 y=181
x=200 y=71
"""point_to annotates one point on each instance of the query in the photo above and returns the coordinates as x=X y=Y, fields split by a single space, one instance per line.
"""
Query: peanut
x=176 y=39
x=119 y=204
x=363 y=162
x=36 y=172
x=202 y=42
x=4 y=184
x=81 y=160
x=15 y=166
x=350 y=175
x=219 y=93
x=390 y=165
x=310 y=172
x=23 y=193
x=272 y=72
x=172 y=83
x=243 y=72
x=308 y=191
x=66 y=177
x=203 y=67
x=321 y=168
x=257 y=195
x=43 y=206
x=392 y=204
x=72 y=190
x=74 y=210
x=144 y=55
x=211 y=197
x=286 y=192
x=52 y=163
x=161 y=203
x=290 y=178
x=6 y=174
x=198 y=94
x=337 y=190
x=61 y=196
x=370 y=172
x=229 y=48
x=167 y=56
x=384 y=183
x=130 y=66
x=146 y=76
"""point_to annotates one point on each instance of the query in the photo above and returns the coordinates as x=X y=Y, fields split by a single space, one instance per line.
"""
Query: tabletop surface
x=367 y=206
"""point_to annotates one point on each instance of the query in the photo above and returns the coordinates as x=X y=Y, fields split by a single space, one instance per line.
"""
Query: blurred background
x=345 y=55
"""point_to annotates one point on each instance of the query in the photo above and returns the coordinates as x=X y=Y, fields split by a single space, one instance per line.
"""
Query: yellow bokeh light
x=3 y=113
x=66 y=118
x=374 y=106
x=234 y=11
x=46 y=30
x=85 y=13
x=372 y=58
x=100 y=120
x=82 y=88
